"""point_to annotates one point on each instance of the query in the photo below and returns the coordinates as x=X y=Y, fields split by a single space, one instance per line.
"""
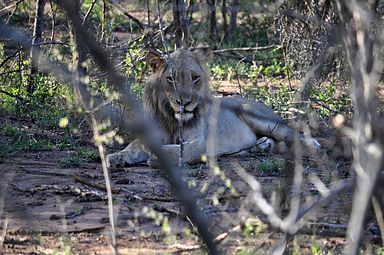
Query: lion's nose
x=183 y=102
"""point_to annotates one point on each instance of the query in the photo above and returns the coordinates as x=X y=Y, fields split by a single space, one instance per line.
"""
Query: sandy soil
x=54 y=209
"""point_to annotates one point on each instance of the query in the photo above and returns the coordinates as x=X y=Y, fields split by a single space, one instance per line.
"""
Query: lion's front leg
x=134 y=153
x=192 y=152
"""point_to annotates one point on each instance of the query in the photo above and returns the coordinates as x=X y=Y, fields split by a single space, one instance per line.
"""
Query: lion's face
x=178 y=85
x=185 y=82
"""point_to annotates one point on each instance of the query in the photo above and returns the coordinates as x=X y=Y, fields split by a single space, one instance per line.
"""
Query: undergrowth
x=38 y=116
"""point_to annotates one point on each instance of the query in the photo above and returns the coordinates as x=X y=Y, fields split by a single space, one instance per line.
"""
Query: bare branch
x=126 y=13
x=11 y=5
x=269 y=47
x=88 y=12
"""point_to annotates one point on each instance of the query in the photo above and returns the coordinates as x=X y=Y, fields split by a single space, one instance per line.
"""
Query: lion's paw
x=119 y=160
x=265 y=144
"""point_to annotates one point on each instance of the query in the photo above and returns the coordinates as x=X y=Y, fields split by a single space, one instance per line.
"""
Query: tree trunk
x=36 y=39
x=212 y=18
x=104 y=26
x=176 y=21
x=190 y=10
x=78 y=58
x=181 y=23
x=233 y=19
x=224 y=11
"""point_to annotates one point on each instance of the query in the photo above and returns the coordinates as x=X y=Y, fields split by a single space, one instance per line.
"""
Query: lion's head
x=173 y=92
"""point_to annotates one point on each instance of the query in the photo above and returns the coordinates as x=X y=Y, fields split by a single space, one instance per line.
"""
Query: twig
x=126 y=13
x=53 y=22
x=322 y=104
x=11 y=5
x=237 y=76
x=88 y=12
x=183 y=247
x=248 y=49
x=91 y=184
x=27 y=170
x=115 y=191
x=4 y=232
x=9 y=57
x=339 y=187
x=51 y=43
x=12 y=71
x=18 y=97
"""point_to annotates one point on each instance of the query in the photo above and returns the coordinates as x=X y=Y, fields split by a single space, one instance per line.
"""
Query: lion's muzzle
x=185 y=109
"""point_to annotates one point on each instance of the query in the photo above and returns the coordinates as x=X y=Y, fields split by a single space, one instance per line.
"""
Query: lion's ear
x=154 y=61
x=203 y=52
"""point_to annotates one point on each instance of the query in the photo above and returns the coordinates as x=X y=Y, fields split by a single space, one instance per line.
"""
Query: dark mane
x=157 y=105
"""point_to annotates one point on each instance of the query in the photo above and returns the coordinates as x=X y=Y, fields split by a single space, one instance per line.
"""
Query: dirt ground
x=50 y=209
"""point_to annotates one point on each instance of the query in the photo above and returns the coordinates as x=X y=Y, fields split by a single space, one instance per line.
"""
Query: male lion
x=178 y=91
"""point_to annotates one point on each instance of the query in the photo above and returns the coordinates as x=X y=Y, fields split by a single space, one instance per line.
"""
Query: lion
x=178 y=94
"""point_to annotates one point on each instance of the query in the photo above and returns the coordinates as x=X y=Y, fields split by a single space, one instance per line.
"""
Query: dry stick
x=79 y=85
x=20 y=74
x=238 y=75
x=100 y=147
x=248 y=49
x=126 y=13
x=117 y=82
x=115 y=191
x=269 y=211
x=11 y=5
x=289 y=223
x=12 y=71
x=183 y=247
x=103 y=23
x=4 y=232
x=18 y=97
x=53 y=20
x=52 y=43
x=258 y=196
x=88 y=12
x=340 y=186
x=9 y=57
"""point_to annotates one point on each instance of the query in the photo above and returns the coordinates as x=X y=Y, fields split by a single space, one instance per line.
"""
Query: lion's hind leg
x=133 y=154
x=265 y=122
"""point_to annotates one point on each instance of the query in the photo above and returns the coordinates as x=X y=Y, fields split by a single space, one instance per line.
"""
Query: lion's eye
x=195 y=78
